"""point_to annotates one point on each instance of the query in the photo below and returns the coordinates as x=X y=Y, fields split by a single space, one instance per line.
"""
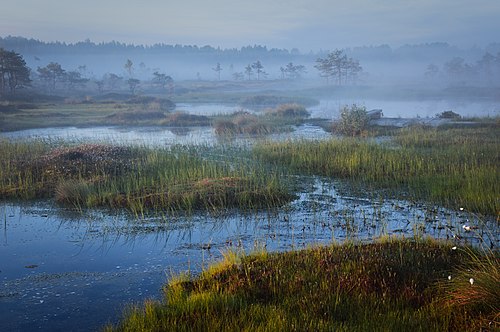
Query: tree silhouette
x=128 y=66
x=75 y=79
x=292 y=71
x=259 y=69
x=338 y=66
x=112 y=80
x=14 y=73
x=249 y=71
x=100 y=85
x=132 y=84
x=217 y=69
x=162 y=79
x=238 y=76
x=51 y=74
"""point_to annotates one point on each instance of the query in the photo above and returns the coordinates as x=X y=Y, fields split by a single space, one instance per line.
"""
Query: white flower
x=466 y=228
x=461 y=209
x=449 y=277
x=454 y=248
x=471 y=280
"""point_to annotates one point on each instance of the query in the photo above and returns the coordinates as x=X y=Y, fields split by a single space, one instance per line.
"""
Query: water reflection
x=54 y=262
x=158 y=137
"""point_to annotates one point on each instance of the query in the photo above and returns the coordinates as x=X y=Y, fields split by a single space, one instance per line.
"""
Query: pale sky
x=304 y=24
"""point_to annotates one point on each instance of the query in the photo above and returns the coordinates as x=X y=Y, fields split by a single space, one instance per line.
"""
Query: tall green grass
x=454 y=167
x=139 y=179
x=17 y=178
x=383 y=286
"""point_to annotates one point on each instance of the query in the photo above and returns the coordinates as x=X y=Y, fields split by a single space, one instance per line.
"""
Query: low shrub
x=353 y=121
x=448 y=115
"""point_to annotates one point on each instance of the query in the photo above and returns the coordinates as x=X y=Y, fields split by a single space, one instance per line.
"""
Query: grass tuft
x=475 y=288
x=72 y=192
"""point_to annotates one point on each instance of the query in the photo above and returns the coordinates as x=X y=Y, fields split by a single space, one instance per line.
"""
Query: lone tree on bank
x=14 y=73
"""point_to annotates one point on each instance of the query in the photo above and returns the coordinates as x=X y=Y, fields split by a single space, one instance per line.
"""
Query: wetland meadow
x=141 y=215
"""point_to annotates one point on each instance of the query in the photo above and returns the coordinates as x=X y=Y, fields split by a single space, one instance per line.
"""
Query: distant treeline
x=33 y=46
x=436 y=63
x=429 y=52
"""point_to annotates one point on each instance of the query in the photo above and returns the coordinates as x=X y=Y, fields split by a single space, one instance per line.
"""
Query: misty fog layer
x=437 y=64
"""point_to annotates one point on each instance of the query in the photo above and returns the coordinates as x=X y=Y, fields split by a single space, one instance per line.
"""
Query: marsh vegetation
x=362 y=182
x=138 y=179
x=455 y=167
x=269 y=121
x=387 y=285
